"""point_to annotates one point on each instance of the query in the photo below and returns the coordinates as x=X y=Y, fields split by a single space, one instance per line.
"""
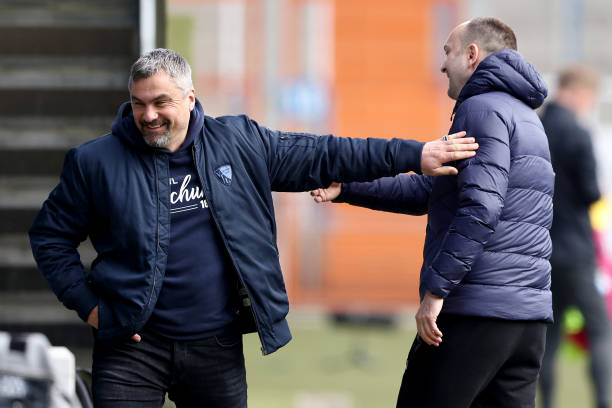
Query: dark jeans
x=576 y=286
x=202 y=373
x=480 y=363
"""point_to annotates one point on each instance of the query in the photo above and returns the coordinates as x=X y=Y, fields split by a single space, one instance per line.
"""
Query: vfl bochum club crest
x=224 y=173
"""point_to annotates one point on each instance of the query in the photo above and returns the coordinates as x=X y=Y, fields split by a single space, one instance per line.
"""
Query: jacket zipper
x=214 y=217
x=157 y=238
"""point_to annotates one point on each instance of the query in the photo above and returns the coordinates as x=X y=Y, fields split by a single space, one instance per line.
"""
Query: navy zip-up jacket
x=115 y=189
x=487 y=245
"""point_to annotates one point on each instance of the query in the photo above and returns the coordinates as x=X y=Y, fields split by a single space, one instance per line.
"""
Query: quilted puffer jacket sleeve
x=59 y=227
x=482 y=184
x=404 y=194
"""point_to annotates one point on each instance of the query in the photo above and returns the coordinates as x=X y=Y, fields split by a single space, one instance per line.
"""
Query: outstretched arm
x=302 y=162
x=404 y=194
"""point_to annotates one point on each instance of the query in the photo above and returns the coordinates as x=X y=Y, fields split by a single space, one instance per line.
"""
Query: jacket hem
x=281 y=336
x=502 y=302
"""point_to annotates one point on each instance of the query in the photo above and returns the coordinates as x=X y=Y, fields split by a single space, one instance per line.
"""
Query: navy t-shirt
x=196 y=297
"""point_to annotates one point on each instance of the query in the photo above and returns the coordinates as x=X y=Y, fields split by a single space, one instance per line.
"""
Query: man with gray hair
x=178 y=206
x=485 y=279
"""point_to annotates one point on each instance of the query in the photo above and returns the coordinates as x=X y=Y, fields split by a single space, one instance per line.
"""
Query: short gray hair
x=162 y=59
x=491 y=34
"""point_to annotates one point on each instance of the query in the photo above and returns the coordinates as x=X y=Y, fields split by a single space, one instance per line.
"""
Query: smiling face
x=161 y=110
x=458 y=62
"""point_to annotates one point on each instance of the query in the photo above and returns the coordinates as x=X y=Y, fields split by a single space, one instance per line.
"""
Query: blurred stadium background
x=352 y=68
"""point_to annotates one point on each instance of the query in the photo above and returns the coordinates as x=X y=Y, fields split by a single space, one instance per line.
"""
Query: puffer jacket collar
x=506 y=71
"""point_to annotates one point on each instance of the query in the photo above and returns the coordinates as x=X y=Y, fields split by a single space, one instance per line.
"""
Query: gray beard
x=159 y=141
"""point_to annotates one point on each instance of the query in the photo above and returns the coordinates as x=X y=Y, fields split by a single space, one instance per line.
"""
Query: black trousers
x=201 y=373
x=481 y=362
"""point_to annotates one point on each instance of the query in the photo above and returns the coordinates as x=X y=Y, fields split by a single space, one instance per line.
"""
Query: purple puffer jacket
x=487 y=244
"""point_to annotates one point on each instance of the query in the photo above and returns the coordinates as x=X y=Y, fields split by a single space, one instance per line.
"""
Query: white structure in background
x=218 y=52
x=323 y=400
x=308 y=97
x=231 y=43
x=148 y=25
x=34 y=372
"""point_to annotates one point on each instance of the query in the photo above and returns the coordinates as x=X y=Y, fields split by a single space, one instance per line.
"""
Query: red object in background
x=579 y=339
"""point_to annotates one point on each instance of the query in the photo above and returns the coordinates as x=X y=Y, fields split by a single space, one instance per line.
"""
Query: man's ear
x=474 y=54
x=192 y=99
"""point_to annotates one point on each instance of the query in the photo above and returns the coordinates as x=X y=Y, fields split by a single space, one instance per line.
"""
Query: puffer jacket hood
x=125 y=128
x=506 y=71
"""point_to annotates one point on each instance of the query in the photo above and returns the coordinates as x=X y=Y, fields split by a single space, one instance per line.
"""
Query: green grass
x=573 y=388
x=361 y=367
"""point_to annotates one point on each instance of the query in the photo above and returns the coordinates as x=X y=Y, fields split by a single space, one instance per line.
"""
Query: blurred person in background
x=179 y=209
x=573 y=255
x=485 y=280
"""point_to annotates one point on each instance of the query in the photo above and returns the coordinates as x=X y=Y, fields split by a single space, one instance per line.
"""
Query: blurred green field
x=330 y=366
